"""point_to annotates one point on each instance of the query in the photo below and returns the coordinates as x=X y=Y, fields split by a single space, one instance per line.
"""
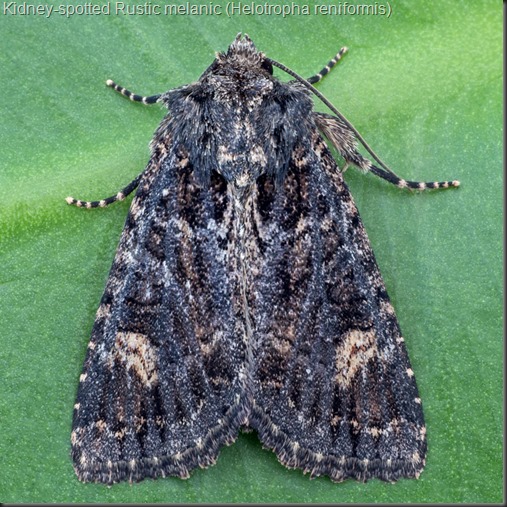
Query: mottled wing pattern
x=159 y=391
x=245 y=293
x=334 y=393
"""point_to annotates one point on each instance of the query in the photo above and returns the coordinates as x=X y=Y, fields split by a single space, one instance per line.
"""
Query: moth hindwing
x=245 y=294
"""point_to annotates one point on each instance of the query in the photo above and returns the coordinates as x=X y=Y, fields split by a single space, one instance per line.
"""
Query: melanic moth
x=245 y=295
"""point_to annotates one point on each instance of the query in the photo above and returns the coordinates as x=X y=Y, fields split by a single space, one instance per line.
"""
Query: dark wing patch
x=333 y=390
x=160 y=388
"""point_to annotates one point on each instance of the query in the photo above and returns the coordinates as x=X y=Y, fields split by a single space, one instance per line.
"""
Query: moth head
x=242 y=55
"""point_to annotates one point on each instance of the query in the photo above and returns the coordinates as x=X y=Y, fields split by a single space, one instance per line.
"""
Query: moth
x=245 y=295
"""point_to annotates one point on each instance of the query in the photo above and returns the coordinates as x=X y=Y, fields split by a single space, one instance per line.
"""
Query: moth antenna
x=109 y=200
x=132 y=96
x=316 y=92
x=359 y=137
x=344 y=142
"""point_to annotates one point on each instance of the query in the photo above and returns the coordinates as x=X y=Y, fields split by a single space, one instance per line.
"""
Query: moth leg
x=132 y=96
x=363 y=163
x=344 y=140
x=401 y=183
x=325 y=70
x=109 y=200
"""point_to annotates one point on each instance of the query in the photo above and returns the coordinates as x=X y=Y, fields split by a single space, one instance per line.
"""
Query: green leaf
x=423 y=86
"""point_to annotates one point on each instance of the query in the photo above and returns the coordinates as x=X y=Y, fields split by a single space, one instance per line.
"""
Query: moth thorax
x=242 y=168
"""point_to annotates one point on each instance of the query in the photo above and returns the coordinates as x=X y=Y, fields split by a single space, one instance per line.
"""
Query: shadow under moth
x=245 y=295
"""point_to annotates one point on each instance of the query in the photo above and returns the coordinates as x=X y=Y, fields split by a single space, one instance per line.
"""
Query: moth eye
x=211 y=68
x=266 y=65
